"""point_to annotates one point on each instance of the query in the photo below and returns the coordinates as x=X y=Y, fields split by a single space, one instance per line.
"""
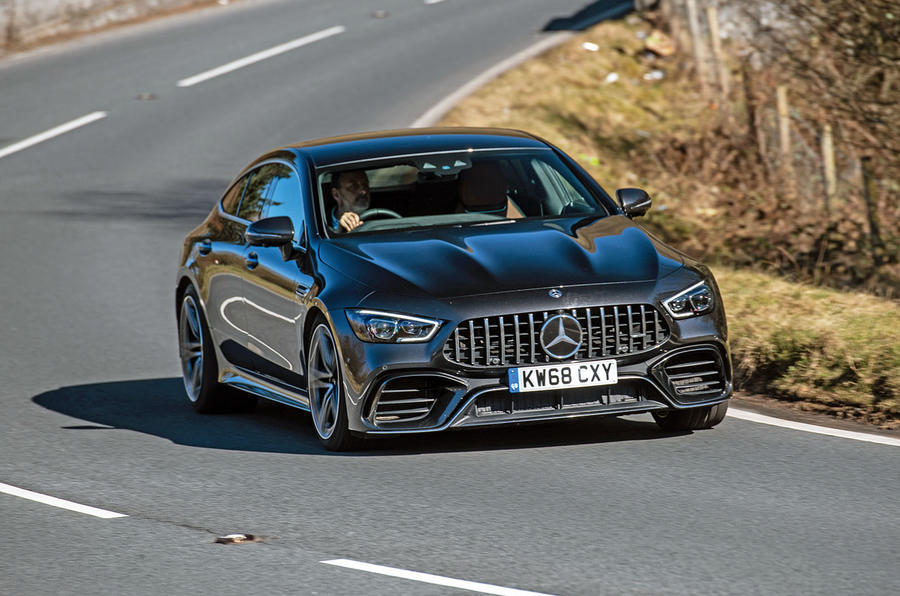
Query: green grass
x=829 y=349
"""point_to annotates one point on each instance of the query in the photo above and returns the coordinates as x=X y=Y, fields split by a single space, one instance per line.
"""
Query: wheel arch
x=183 y=284
x=313 y=316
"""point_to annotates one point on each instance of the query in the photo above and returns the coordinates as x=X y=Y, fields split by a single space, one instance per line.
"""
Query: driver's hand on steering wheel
x=349 y=221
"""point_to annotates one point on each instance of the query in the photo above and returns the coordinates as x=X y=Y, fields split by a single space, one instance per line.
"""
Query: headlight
x=388 y=328
x=696 y=300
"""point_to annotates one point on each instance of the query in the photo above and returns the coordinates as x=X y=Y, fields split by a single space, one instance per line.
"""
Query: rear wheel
x=198 y=363
x=326 y=395
x=692 y=418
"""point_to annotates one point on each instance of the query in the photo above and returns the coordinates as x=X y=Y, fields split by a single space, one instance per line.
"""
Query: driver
x=350 y=191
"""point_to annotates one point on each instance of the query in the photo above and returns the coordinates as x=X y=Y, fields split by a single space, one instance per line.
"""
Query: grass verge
x=829 y=350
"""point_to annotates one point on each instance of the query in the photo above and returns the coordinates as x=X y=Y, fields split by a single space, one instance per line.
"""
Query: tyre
x=692 y=418
x=199 y=368
x=326 y=393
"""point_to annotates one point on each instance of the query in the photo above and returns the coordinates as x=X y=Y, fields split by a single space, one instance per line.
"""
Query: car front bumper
x=415 y=388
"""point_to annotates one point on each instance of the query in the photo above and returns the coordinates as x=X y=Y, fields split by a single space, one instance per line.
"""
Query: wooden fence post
x=784 y=134
x=699 y=46
x=828 y=165
x=754 y=130
x=720 y=66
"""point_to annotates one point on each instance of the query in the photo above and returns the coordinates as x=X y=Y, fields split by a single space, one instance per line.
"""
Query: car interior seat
x=482 y=189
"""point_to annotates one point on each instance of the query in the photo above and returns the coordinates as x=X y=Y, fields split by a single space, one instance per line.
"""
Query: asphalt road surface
x=92 y=408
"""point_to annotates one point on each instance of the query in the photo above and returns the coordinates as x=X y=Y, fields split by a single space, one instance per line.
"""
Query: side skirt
x=245 y=381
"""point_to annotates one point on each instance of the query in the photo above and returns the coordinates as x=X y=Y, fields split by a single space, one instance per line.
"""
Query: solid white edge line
x=53 y=132
x=812 y=428
x=428 y=578
x=61 y=503
x=259 y=56
x=433 y=115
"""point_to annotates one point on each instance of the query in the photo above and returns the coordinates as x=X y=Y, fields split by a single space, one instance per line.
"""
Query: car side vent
x=407 y=399
x=695 y=375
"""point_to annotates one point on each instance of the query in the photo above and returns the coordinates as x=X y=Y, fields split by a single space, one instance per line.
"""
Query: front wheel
x=326 y=395
x=692 y=418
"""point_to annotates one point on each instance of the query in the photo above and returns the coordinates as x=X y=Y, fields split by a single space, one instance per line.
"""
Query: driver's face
x=352 y=193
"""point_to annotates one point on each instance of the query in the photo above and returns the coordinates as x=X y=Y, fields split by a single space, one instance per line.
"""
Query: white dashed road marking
x=260 y=56
x=53 y=132
x=428 y=578
x=812 y=428
x=61 y=503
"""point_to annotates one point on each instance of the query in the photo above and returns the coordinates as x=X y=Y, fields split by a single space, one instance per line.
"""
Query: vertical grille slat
x=472 y=343
x=602 y=331
x=518 y=339
x=643 y=328
x=487 y=342
x=502 y=342
x=616 y=328
x=630 y=331
x=590 y=334
x=607 y=331
x=531 y=334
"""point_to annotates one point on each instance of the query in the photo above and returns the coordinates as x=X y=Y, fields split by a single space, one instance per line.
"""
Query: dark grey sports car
x=421 y=280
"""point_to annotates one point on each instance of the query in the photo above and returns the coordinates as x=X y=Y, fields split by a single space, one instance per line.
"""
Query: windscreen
x=465 y=188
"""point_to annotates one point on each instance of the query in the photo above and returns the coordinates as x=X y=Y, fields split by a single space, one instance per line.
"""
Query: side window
x=232 y=198
x=561 y=195
x=259 y=190
x=285 y=200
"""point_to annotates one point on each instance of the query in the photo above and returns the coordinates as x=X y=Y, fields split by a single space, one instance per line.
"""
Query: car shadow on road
x=590 y=15
x=158 y=407
x=177 y=201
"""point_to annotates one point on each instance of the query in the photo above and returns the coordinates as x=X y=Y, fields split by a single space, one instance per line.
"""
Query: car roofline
x=391 y=156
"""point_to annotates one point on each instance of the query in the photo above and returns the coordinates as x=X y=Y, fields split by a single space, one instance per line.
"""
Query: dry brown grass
x=802 y=342
x=563 y=97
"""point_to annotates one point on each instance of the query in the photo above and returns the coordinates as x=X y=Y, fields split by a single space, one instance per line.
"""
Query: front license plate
x=563 y=376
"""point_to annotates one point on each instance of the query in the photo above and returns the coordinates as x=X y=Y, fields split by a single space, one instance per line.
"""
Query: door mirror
x=635 y=202
x=271 y=231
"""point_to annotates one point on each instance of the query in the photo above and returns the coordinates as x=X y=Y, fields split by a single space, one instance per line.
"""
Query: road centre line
x=428 y=578
x=61 y=503
x=259 y=56
x=53 y=132
x=812 y=428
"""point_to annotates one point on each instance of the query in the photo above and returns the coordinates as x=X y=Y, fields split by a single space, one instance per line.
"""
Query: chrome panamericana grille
x=515 y=339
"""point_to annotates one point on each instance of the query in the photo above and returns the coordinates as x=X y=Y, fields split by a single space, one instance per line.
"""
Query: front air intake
x=694 y=375
x=408 y=399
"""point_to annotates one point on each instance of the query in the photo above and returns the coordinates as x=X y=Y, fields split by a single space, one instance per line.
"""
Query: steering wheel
x=370 y=213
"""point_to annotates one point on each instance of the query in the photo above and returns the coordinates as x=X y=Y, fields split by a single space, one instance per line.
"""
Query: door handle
x=205 y=246
x=252 y=260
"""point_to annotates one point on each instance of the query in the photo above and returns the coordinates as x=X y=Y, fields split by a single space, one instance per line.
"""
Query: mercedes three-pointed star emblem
x=561 y=336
